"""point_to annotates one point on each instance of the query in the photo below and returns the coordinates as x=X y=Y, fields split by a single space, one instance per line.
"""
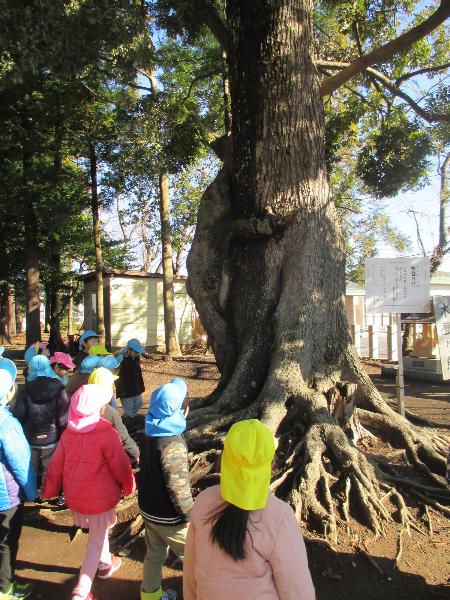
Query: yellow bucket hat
x=246 y=464
x=98 y=350
x=102 y=376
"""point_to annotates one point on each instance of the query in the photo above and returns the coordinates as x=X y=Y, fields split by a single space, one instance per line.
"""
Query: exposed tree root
x=319 y=468
x=430 y=525
x=439 y=507
x=372 y=561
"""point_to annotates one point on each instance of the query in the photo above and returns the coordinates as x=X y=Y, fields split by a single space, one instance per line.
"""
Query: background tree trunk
x=11 y=312
x=266 y=272
x=55 y=342
x=32 y=271
x=170 y=324
x=47 y=308
x=97 y=242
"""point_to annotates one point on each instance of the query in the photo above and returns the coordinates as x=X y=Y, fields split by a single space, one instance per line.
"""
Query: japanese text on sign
x=397 y=285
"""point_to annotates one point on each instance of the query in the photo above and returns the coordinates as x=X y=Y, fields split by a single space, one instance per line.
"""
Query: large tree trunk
x=170 y=324
x=97 y=243
x=266 y=272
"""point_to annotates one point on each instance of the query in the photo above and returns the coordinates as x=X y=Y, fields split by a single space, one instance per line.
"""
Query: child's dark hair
x=229 y=530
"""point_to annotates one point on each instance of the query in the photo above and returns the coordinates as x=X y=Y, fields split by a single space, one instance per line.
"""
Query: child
x=95 y=470
x=62 y=364
x=32 y=351
x=104 y=376
x=165 y=498
x=41 y=407
x=243 y=543
x=81 y=377
x=17 y=482
x=87 y=339
x=109 y=361
x=130 y=384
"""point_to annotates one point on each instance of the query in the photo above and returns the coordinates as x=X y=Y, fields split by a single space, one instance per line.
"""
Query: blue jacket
x=17 y=475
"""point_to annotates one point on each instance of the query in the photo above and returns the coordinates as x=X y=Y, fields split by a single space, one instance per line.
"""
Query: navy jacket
x=130 y=382
x=42 y=407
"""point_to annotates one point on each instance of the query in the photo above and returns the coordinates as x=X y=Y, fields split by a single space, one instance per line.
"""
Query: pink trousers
x=97 y=549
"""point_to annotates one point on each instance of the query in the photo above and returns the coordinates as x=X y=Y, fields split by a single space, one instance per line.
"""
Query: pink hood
x=85 y=406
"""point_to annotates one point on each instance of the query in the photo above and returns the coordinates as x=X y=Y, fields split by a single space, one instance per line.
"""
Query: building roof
x=117 y=273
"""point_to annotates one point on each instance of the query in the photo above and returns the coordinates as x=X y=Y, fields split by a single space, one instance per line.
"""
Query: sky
x=425 y=203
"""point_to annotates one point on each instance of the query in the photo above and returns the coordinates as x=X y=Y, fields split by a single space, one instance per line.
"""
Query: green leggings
x=159 y=538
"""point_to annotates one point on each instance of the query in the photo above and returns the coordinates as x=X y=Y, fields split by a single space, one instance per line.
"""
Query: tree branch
x=216 y=24
x=392 y=87
x=430 y=117
x=435 y=69
x=388 y=50
x=199 y=78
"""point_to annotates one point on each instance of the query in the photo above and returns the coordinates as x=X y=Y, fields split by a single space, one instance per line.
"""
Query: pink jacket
x=92 y=468
x=275 y=567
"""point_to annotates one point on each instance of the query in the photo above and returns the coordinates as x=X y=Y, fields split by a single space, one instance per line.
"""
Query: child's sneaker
x=169 y=594
x=19 y=591
x=106 y=571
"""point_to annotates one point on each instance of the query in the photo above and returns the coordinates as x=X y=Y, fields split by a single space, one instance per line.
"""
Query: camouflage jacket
x=164 y=490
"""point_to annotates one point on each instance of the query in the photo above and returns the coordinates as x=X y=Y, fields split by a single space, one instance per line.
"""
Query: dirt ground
x=360 y=566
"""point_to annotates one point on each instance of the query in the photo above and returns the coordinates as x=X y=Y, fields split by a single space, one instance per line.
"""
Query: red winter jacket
x=92 y=468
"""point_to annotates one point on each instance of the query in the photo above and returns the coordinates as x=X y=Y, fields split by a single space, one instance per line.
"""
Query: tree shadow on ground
x=351 y=576
x=336 y=576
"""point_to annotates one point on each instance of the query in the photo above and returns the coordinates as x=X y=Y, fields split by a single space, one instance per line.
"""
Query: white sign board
x=442 y=316
x=397 y=285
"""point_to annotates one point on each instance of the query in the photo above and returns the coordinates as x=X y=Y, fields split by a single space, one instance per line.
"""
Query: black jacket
x=163 y=482
x=79 y=357
x=130 y=382
x=42 y=407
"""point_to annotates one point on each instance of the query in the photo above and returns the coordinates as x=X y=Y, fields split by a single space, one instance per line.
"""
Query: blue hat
x=90 y=363
x=85 y=336
x=8 y=373
x=40 y=367
x=136 y=345
x=30 y=353
x=164 y=416
x=93 y=362
x=110 y=362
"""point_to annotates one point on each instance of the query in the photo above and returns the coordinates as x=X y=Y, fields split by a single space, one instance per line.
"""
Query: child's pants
x=10 y=529
x=131 y=405
x=97 y=550
x=159 y=538
x=40 y=457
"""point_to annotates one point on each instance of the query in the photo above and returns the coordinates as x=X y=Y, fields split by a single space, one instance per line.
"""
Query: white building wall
x=137 y=310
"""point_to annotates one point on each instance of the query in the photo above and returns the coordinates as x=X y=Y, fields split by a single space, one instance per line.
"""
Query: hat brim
x=245 y=488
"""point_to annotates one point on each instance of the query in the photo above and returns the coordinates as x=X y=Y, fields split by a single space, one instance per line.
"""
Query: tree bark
x=170 y=324
x=97 y=243
x=266 y=272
